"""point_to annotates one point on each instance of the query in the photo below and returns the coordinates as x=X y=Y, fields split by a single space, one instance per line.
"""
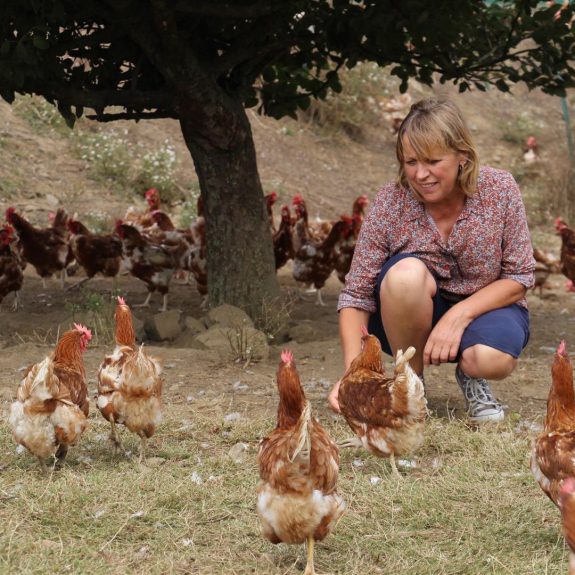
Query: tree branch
x=229 y=9
x=132 y=116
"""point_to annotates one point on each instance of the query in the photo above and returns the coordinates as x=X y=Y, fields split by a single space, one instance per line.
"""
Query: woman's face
x=434 y=178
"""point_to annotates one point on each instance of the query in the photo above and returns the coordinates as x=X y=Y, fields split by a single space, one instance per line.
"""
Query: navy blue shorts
x=505 y=329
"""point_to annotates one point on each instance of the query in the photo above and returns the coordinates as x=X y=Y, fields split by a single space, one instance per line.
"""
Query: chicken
x=47 y=249
x=297 y=497
x=567 y=507
x=153 y=262
x=270 y=200
x=345 y=246
x=315 y=259
x=51 y=409
x=283 y=239
x=387 y=415
x=96 y=253
x=11 y=266
x=567 y=255
x=198 y=257
x=143 y=220
x=319 y=230
x=129 y=384
x=553 y=452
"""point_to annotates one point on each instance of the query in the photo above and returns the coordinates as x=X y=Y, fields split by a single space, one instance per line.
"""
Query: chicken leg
x=353 y=442
x=143 y=442
x=309 y=568
x=115 y=438
x=146 y=303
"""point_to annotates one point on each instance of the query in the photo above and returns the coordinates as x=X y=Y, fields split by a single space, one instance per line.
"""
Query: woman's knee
x=487 y=362
x=408 y=276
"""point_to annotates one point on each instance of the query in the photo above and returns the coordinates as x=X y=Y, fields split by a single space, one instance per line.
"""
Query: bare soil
x=38 y=173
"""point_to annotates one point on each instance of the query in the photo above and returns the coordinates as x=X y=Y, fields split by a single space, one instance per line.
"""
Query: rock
x=189 y=340
x=193 y=325
x=164 y=325
x=302 y=333
x=235 y=343
x=229 y=316
x=238 y=453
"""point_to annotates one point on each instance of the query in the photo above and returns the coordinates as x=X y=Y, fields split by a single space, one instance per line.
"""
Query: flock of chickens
x=149 y=246
x=297 y=497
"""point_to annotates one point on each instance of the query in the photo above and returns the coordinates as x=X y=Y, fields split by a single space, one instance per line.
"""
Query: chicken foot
x=351 y=442
x=61 y=453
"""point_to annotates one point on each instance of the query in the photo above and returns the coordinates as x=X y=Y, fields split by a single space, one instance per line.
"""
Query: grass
x=470 y=506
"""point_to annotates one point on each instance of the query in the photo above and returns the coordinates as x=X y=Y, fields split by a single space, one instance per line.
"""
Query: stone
x=229 y=316
x=302 y=333
x=164 y=325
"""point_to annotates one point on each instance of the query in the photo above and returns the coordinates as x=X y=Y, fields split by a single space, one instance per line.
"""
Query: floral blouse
x=490 y=240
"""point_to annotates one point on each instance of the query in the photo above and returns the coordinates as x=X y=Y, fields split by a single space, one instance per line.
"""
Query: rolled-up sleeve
x=517 y=261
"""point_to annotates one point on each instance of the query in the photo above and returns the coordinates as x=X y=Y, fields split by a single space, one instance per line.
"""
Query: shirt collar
x=414 y=209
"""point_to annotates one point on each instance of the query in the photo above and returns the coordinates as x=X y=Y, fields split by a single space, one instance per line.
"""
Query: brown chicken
x=553 y=453
x=47 y=249
x=387 y=415
x=317 y=230
x=11 y=266
x=545 y=265
x=96 y=253
x=270 y=200
x=129 y=384
x=299 y=466
x=198 y=257
x=315 y=260
x=567 y=507
x=144 y=220
x=152 y=261
x=283 y=239
x=51 y=409
x=567 y=256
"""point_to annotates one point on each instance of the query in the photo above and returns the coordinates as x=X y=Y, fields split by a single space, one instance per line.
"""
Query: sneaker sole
x=487 y=418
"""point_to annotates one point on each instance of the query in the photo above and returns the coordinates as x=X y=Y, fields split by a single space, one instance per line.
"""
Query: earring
x=459 y=169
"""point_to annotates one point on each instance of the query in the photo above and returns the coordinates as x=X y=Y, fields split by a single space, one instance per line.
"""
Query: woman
x=443 y=261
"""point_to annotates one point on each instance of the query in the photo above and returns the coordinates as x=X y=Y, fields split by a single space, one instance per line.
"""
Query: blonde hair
x=431 y=124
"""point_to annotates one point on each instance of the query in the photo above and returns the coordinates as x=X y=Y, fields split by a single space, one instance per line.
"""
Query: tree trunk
x=241 y=269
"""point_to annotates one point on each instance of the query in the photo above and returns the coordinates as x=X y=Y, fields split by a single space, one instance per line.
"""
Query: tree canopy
x=203 y=62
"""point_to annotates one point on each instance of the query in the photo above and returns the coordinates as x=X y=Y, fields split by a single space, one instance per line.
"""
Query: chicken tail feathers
x=302 y=433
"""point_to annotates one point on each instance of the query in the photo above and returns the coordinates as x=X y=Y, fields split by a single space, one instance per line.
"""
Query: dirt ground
x=39 y=173
x=199 y=377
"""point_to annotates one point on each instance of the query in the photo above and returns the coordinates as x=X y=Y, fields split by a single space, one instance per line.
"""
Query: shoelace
x=477 y=391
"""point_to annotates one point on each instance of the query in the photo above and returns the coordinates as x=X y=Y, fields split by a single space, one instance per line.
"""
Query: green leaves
x=277 y=56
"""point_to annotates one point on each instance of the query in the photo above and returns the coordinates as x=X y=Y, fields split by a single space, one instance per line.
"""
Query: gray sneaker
x=481 y=405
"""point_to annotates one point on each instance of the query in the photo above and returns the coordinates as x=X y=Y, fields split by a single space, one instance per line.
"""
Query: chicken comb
x=287 y=356
x=297 y=200
x=83 y=330
x=121 y=300
x=151 y=193
x=559 y=223
x=562 y=349
x=9 y=212
x=364 y=332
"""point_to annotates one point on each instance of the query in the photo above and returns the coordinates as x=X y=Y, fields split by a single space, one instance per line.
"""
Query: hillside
x=191 y=507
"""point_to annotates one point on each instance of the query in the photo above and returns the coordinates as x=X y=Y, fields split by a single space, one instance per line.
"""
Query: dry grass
x=470 y=506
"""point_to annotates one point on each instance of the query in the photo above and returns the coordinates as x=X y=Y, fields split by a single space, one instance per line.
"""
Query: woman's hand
x=332 y=398
x=443 y=341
